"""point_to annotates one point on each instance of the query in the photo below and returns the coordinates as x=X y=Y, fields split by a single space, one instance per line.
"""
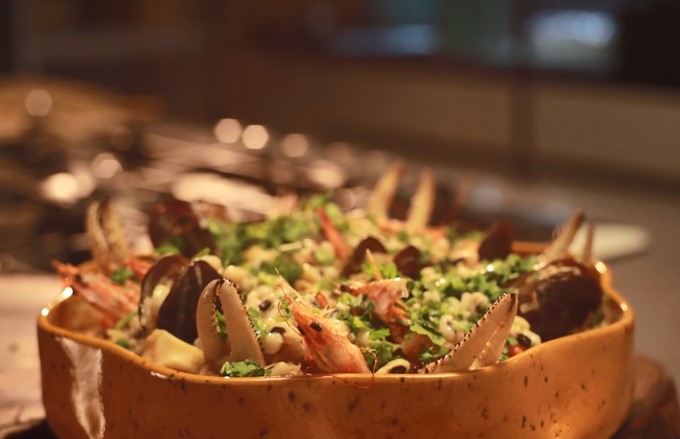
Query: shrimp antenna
x=374 y=265
x=289 y=300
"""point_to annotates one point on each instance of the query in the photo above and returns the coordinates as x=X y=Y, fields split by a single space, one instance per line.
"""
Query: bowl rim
x=625 y=319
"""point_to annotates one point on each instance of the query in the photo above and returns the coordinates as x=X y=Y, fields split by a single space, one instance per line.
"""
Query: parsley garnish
x=245 y=368
x=122 y=275
x=285 y=266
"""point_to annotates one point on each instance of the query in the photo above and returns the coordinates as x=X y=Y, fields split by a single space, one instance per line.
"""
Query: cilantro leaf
x=245 y=368
x=286 y=267
x=434 y=335
x=122 y=275
x=221 y=325
x=387 y=271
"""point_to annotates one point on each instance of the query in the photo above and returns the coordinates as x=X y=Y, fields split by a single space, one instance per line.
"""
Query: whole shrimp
x=114 y=300
x=330 y=350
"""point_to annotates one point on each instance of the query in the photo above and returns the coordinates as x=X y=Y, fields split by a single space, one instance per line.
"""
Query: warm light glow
x=255 y=137
x=294 y=145
x=105 y=165
x=61 y=188
x=159 y=375
x=38 y=102
x=84 y=178
x=600 y=267
x=326 y=174
x=228 y=130
x=66 y=293
x=346 y=199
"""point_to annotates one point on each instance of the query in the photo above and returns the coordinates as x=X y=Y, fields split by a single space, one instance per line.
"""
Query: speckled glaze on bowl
x=579 y=386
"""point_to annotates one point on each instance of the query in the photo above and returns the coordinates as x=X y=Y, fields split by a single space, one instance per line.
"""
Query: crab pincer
x=104 y=229
x=482 y=346
x=241 y=342
x=383 y=194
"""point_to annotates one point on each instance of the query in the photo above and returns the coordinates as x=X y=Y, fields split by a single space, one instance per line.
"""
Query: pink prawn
x=331 y=351
x=114 y=300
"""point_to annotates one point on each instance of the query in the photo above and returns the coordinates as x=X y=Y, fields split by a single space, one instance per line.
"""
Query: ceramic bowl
x=578 y=386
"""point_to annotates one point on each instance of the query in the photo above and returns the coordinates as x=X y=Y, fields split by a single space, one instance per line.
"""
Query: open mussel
x=558 y=298
x=156 y=285
x=496 y=243
x=563 y=291
x=177 y=313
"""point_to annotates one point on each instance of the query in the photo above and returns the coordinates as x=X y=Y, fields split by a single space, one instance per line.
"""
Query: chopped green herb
x=285 y=266
x=122 y=323
x=434 y=335
x=387 y=271
x=221 y=325
x=256 y=320
x=432 y=353
x=381 y=351
x=167 y=249
x=203 y=252
x=245 y=368
x=324 y=256
x=122 y=275
x=123 y=343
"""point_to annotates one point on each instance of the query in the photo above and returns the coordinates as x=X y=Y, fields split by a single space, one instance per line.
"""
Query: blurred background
x=532 y=107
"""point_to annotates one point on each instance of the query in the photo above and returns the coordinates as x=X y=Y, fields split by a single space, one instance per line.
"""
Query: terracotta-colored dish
x=578 y=386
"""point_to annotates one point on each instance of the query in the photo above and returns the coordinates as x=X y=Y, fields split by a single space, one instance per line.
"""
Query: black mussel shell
x=354 y=263
x=497 y=242
x=177 y=314
x=408 y=261
x=559 y=303
x=165 y=271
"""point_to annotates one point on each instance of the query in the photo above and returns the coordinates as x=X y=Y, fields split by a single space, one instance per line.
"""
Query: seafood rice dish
x=311 y=289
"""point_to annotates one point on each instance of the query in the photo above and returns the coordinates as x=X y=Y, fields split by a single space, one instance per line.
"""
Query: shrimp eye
x=315 y=326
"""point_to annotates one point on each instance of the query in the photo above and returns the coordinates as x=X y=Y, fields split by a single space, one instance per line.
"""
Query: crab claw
x=384 y=191
x=559 y=247
x=241 y=342
x=586 y=256
x=108 y=242
x=422 y=203
x=484 y=343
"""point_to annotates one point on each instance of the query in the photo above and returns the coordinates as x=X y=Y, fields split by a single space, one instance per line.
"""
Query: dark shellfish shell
x=165 y=271
x=558 y=298
x=177 y=314
x=497 y=242
x=359 y=255
x=408 y=261
x=174 y=220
